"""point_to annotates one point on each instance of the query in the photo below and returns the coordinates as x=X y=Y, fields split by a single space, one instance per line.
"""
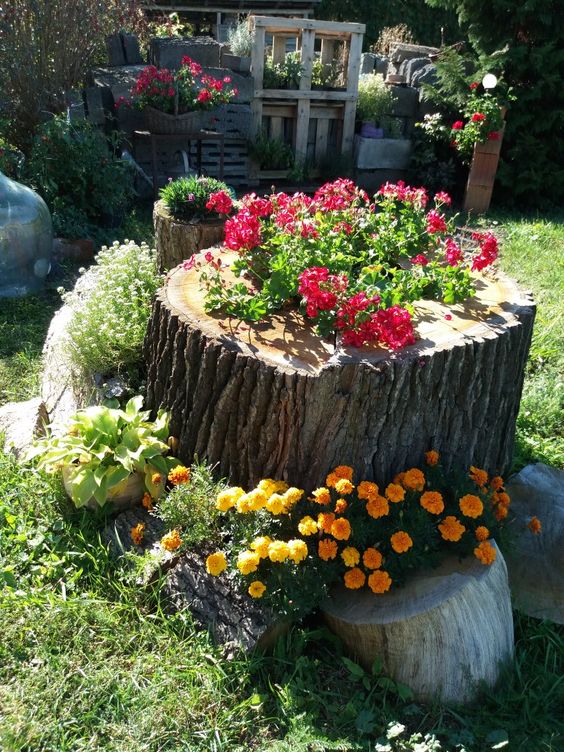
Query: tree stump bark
x=177 y=241
x=275 y=400
x=442 y=634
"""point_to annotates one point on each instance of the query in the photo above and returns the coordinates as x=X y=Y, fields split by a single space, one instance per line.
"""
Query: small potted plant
x=374 y=105
x=109 y=455
x=189 y=217
x=241 y=39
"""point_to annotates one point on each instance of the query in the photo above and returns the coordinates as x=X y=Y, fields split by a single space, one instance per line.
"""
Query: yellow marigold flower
x=260 y=545
x=228 y=498
x=147 y=502
x=307 y=525
x=244 y=504
x=401 y=542
x=256 y=589
x=216 y=563
x=372 y=558
x=344 y=487
x=344 y=471
x=367 y=490
x=350 y=556
x=485 y=553
x=340 y=506
x=432 y=501
x=377 y=507
x=432 y=457
x=471 y=506
x=293 y=495
x=341 y=529
x=171 y=541
x=379 y=581
x=325 y=520
x=156 y=478
x=276 y=504
x=331 y=480
x=413 y=479
x=297 y=550
x=257 y=499
x=278 y=551
x=354 y=578
x=482 y=533
x=138 y=533
x=451 y=529
x=268 y=486
x=500 y=512
x=280 y=486
x=327 y=549
x=496 y=483
x=179 y=474
x=480 y=477
x=534 y=525
x=399 y=478
x=321 y=495
x=394 y=492
x=248 y=562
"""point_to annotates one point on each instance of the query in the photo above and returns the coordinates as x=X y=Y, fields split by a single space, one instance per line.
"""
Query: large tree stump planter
x=177 y=241
x=275 y=400
x=443 y=634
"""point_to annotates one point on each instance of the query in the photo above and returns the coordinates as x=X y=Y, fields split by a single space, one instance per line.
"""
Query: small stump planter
x=275 y=400
x=177 y=241
x=445 y=632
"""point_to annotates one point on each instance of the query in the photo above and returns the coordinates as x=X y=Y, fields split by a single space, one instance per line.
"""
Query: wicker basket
x=173 y=125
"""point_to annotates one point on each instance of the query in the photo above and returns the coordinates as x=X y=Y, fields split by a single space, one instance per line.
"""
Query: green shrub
x=375 y=99
x=271 y=153
x=110 y=309
x=186 y=198
x=241 y=40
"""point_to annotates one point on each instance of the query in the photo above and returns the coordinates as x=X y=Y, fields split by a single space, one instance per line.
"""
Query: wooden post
x=481 y=177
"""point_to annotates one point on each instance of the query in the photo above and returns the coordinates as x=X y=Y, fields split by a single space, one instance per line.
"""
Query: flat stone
x=410 y=67
x=367 y=62
x=382 y=153
x=21 y=422
x=401 y=52
x=426 y=75
x=536 y=562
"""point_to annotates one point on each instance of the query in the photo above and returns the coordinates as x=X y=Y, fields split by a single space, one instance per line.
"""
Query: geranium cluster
x=353 y=262
x=483 y=122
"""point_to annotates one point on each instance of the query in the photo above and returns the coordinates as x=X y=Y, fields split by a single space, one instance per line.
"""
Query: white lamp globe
x=489 y=81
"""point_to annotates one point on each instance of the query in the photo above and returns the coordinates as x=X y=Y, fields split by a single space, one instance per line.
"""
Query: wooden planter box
x=481 y=177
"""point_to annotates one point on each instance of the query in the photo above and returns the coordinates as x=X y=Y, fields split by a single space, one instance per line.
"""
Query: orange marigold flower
x=367 y=490
x=343 y=471
x=414 y=480
x=171 y=541
x=432 y=457
x=500 y=512
x=451 y=529
x=256 y=589
x=401 y=542
x=395 y=492
x=307 y=525
x=354 y=578
x=341 y=529
x=340 y=506
x=156 y=478
x=216 y=563
x=482 y=533
x=377 y=506
x=372 y=558
x=138 y=533
x=534 y=525
x=501 y=498
x=331 y=480
x=179 y=474
x=471 y=506
x=399 y=478
x=432 y=501
x=485 y=553
x=322 y=495
x=325 y=520
x=327 y=549
x=480 y=477
x=147 y=502
x=344 y=487
x=496 y=483
x=351 y=556
x=379 y=581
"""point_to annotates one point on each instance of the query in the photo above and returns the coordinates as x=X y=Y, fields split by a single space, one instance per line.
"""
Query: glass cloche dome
x=26 y=239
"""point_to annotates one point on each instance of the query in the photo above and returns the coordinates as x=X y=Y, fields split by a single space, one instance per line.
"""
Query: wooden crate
x=311 y=112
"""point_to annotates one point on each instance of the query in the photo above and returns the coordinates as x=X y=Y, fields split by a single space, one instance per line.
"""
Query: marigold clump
x=256 y=589
x=297 y=550
x=482 y=533
x=432 y=501
x=248 y=562
x=260 y=545
x=179 y=474
x=471 y=506
x=351 y=556
x=322 y=495
x=344 y=487
x=496 y=483
x=276 y=504
x=485 y=553
x=401 y=542
x=394 y=492
x=451 y=529
x=138 y=533
x=354 y=578
x=372 y=558
x=377 y=506
x=432 y=457
x=367 y=490
x=216 y=563
x=327 y=549
x=171 y=541
x=379 y=581
x=278 y=551
x=413 y=479
x=341 y=506
x=341 y=529
x=147 y=502
x=480 y=477
x=228 y=498
x=534 y=525
x=307 y=526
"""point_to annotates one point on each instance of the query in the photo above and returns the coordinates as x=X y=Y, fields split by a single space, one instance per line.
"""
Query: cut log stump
x=275 y=400
x=445 y=632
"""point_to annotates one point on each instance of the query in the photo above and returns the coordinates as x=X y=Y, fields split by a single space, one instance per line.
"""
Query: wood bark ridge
x=274 y=400
x=177 y=241
x=441 y=634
